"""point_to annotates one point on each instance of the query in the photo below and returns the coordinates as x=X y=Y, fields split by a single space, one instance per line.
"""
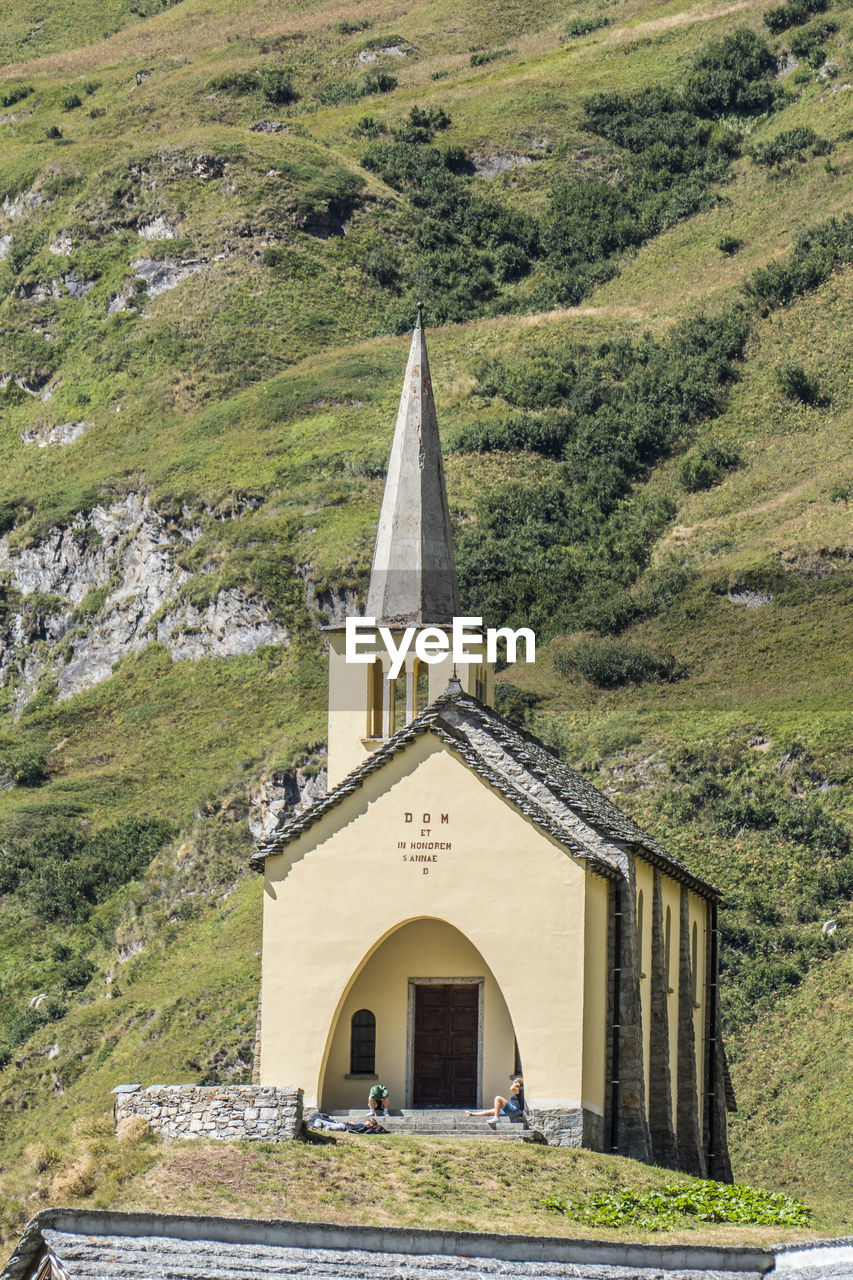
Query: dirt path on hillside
x=620 y=35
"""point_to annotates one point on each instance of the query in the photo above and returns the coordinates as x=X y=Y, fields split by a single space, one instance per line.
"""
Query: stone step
x=441 y=1122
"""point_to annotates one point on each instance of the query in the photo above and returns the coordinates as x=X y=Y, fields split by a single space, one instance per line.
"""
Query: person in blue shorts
x=510 y=1108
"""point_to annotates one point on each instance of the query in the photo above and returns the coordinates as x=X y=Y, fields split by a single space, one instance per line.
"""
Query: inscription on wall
x=426 y=838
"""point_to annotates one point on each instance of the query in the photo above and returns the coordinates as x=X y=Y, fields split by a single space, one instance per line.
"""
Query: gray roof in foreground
x=518 y=765
x=90 y=1244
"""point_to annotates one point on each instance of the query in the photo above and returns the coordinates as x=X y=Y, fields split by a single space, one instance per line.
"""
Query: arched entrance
x=425 y=1017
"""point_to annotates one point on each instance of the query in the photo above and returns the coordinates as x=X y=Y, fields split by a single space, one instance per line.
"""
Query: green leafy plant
x=71 y=101
x=703 y=1200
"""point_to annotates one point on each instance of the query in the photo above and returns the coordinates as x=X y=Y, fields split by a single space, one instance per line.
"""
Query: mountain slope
x=212 y=221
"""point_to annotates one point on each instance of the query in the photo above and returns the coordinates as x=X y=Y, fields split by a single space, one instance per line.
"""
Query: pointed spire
x=413 y=579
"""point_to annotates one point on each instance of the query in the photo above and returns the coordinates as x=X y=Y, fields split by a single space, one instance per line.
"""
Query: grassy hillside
x=212 y=221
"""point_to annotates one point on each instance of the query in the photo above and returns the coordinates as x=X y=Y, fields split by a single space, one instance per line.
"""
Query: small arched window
x=667 y=948
x=362 y=1047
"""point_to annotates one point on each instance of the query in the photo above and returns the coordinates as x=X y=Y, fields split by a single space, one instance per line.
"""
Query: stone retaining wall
x=231 y=1112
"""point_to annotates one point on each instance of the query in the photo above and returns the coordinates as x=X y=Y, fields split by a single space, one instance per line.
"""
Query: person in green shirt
x=377 y=1101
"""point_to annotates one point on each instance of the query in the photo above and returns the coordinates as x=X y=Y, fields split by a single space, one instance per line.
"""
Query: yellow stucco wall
x=645 y=884
x=334 y=895
x=423 y=948
x=595 y=994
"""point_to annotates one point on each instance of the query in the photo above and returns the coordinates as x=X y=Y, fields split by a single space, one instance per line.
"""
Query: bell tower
x=413 y=583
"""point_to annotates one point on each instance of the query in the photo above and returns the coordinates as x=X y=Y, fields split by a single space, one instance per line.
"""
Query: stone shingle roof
x=518 y=765
x=106 y=1244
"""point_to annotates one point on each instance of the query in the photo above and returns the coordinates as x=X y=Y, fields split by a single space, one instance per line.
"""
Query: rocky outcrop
x=17 y=206
x=107 y=585
x=281 y=795
x=157 y=228
x=227 y=627
x=59 y=433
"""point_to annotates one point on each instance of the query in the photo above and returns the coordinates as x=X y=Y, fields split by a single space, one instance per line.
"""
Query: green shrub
x=514 y=704
x=543 y=433
x=705 y=466
x=588 y=220
x=733 y=77
x=583 y=26
x=729 y=245
x=237 y=82
x=381 y=82
x=611 y=664
x=15 y=94
x=792 y=14
x=481 y=59
x=62 y=873
x=349 y=28
x=798 y=385
x=381 y=266
x=53 y=131
x=793 y=144
x=92 y=603
x=71 y=101
x=841 y=493
x=421 y=126
x=368 y=127
x=809 y=44
x=95 y=113
x=25 y=762
x=276 y=86
x=814 y=256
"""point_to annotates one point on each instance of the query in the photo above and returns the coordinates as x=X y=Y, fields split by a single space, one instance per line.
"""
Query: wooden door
x=445 y=1045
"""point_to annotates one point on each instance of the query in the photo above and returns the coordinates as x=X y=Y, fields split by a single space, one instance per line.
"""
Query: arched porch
x=425 y=1016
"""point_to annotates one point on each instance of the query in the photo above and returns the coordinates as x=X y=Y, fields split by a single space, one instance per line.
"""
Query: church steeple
x=412 y=584
x=413 y=579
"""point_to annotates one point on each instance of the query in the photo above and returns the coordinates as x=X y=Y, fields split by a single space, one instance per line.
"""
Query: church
x=462 y=907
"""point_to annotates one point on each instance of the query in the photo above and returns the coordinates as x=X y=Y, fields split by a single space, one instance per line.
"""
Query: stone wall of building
x=232 y=1112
